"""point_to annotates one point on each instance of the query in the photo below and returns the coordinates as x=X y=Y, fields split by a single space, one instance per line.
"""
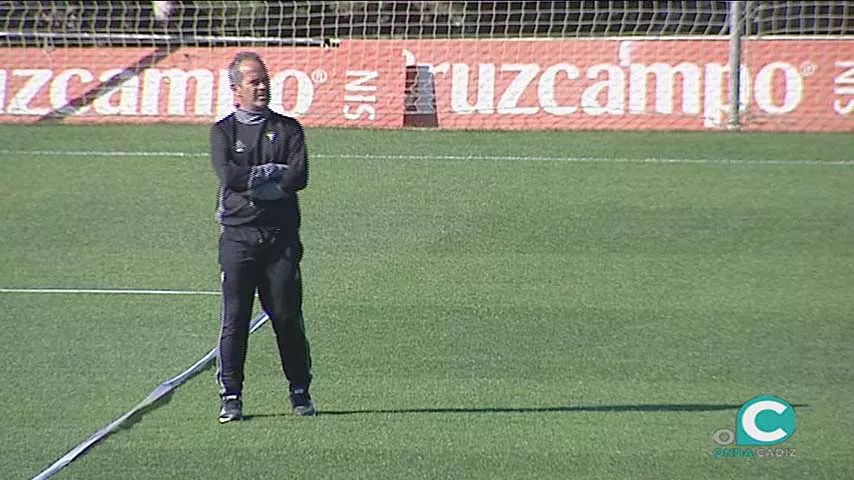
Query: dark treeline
x=219 y=22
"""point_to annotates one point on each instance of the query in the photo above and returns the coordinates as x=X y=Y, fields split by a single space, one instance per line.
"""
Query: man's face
x=253 y=92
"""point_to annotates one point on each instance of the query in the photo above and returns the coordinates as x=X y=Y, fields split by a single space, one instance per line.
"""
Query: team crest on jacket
x=271 y=136
x=239 y=147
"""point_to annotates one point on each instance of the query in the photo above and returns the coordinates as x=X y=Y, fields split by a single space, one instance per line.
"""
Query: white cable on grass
x=504 y=158
x=110 y=291
x=162 y=390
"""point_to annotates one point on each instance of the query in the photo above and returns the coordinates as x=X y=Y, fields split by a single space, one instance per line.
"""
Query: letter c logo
x=764 y=420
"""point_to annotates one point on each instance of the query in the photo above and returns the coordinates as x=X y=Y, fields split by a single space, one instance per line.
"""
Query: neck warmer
x=250 y=118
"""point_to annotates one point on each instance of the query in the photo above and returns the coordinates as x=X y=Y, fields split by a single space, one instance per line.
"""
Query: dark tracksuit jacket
x=260 y=166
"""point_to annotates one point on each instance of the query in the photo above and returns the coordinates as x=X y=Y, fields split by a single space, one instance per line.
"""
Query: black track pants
x=266 y=259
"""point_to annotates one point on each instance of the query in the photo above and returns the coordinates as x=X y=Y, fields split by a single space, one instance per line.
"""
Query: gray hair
x=234 y=74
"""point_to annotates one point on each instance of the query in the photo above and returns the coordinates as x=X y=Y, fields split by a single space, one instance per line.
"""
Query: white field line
x=516 y=158
x=100 y=153
x=106 y=291
x=125 y=420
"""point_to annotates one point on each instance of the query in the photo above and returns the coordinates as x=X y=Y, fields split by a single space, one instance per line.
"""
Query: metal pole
x=736 y=21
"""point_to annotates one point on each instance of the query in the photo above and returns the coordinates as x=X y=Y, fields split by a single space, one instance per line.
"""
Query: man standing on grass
x=261 y=161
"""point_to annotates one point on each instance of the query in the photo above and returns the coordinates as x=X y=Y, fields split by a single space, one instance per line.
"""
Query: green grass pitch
x=481 y=305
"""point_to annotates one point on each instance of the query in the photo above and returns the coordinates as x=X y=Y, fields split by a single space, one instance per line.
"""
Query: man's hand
x=267 y=191
x=261 y=174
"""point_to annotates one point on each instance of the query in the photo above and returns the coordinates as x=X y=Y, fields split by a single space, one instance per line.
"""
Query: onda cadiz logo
x=762 y=422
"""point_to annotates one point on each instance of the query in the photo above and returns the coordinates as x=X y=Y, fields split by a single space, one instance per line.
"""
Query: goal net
x=450 y=64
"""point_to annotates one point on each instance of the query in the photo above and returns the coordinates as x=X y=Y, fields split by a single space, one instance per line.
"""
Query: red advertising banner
x=621 y=84
x=354 y=85
x=786 y=85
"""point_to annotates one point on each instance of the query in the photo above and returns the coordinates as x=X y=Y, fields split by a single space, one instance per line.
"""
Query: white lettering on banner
x=843 y=89
x=561 y=89
x=304 y=92
x=2 y=90
x=353 y=93
x=485 y=93
x=664 y=77
x=546 y=89
x=615 y=85
x=225 y=97
x=59 y=89
x=140 y=94
x=714 y=108
x=177 y=100
x=20 y=102
x=509 y=101
x=127 y=90
x=702 y=89
x=793 y=92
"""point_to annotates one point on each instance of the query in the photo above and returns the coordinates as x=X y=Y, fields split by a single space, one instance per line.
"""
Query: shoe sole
x=229 y=419
x=304 y=412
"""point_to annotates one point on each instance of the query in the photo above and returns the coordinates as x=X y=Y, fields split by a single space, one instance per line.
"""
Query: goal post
x=589 y=64
x=736 y=33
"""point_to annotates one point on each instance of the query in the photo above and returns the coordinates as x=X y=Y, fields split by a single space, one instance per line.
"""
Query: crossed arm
x=265 y=181
x=269 y=181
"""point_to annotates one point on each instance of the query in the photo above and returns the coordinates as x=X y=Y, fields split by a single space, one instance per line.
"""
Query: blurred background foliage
x=231 y=22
